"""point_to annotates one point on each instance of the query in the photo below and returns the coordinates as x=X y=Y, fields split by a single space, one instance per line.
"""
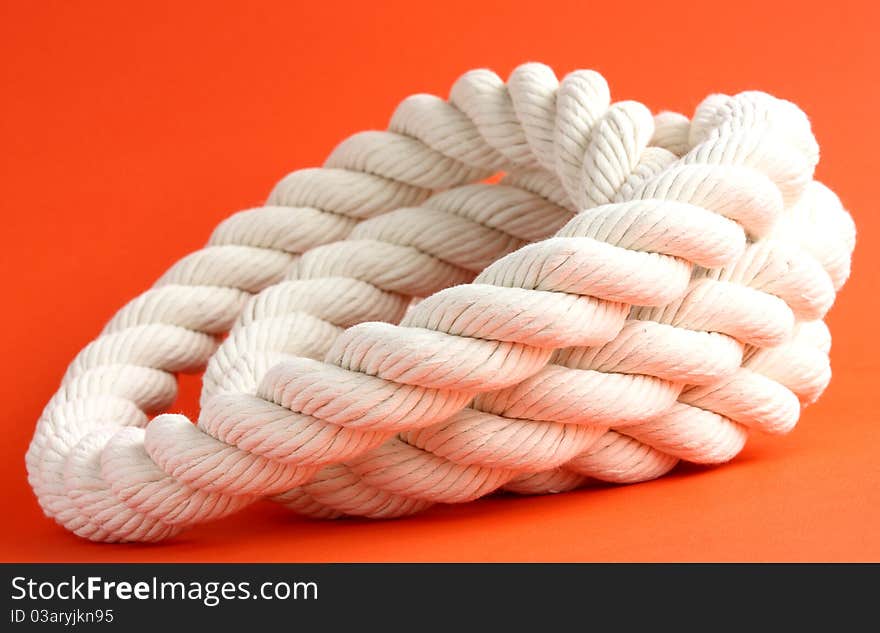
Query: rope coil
x=636 y=290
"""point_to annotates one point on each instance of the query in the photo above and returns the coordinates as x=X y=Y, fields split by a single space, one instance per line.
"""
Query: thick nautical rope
x=472 y=453
x=153 y=503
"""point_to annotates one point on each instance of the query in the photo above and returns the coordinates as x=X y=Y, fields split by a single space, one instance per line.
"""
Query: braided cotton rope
x=479 y=452
x=319 y=435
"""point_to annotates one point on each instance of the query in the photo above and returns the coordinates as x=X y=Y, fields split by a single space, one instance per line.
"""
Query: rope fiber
x=389 y=331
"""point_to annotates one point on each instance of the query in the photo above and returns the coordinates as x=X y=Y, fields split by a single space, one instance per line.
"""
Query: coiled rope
x=681 y=306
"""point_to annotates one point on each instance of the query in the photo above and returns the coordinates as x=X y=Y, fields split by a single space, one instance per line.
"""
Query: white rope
x=319 y=434
x=706 y=424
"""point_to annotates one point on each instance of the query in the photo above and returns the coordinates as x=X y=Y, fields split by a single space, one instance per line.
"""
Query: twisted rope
x=315 y=434
x=596 y=386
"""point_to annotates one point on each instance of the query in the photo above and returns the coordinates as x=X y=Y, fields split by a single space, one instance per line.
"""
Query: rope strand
x=681 y=306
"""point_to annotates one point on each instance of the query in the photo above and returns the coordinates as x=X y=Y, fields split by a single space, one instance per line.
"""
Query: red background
x=130 y=129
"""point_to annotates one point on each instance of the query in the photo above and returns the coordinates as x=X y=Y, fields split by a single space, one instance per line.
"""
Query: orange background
x=130 y=129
